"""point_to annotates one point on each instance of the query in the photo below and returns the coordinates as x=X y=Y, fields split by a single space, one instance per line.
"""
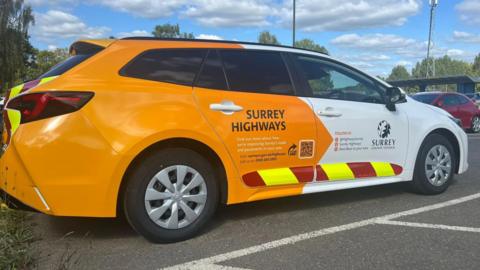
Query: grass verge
x=15 y=238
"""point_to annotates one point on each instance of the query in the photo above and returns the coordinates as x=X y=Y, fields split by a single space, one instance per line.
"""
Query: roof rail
x=217 y=41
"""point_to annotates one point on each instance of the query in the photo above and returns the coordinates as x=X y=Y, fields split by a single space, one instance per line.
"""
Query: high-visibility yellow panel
x=15 y=91
x=45 y=80
x=383 y=169
x=339 y=171
x=14 y=117
x=275 y=177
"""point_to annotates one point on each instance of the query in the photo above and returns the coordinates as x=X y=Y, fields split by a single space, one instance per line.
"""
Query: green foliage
x=16 y=52
x=476 y=65
x=266 y=38
x=444 y=66
x=15 y=239
x=398 y=73
x=171 y=31
x=310 y=45
x=44 y=61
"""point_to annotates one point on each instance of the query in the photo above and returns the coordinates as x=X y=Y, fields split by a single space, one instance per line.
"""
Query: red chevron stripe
x=303 y=174
x=321 y=175
x=397 y=169
x=253 y=179
x=362 y=169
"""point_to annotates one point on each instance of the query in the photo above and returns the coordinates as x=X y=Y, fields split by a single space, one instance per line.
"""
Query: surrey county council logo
x=384 y=129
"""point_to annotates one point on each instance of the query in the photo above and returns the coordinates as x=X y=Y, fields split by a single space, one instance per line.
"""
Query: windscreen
x=425 y=98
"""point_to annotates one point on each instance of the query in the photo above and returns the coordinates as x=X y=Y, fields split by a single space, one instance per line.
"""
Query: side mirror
x=439 y=104
x=394 y=96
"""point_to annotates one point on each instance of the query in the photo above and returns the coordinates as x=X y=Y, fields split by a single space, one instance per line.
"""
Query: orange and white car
x=165 y=130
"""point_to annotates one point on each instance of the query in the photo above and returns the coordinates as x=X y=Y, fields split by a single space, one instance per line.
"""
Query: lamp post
x=431 y=62
x=293 y=24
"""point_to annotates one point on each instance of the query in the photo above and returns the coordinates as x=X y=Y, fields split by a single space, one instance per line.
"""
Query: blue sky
x=374 y=35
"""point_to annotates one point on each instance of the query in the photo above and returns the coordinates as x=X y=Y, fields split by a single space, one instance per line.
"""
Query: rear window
x=66 y=65
x=179 y=66
x=256 y=71
x=425 y=98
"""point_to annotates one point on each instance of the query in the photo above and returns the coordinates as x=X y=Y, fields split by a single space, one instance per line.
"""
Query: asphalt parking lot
x=382 y=227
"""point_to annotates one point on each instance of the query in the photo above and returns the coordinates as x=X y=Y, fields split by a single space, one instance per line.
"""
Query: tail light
x=41 y=105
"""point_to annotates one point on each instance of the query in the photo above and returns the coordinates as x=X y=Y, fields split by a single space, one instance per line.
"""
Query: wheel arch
x=192 y=144
x=450 y=136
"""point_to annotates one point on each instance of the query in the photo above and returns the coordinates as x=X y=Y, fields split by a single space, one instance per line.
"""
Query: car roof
x=222 y=41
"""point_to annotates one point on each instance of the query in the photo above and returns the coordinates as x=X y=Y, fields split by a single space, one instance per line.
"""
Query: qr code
x=306 y=149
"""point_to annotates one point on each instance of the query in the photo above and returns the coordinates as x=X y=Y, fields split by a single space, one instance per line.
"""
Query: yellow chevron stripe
x=281 y=176
x=339 y=171
x=45 y=80
x=383 y=169
x=15 y=91
x=14 y=117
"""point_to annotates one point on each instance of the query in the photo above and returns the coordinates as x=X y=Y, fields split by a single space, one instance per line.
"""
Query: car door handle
x=226 y=107
x=329 y=112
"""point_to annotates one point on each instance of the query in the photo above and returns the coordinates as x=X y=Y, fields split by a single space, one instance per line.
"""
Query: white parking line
x=428 y=226
x=210 y=262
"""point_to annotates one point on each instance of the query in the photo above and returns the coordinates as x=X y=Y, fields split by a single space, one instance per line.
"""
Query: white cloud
x=230 y=13
x=207 y=36
x=52 y=47
x=466 y=37
x=56 y=24
x=335 y=15
x=469 y=10
x=373 y=41
x=152 y=9
x=135 y=33
x=404 y=63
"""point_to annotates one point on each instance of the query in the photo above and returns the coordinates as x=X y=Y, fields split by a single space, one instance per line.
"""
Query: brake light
x=37 y=106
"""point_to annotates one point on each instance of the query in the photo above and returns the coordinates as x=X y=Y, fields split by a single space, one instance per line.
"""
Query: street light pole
x=431 y=62
x=293 y=24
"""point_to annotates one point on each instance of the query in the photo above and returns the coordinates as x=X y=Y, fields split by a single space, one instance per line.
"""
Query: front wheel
x=171 y=195
x=435 y=166
x=475 y=124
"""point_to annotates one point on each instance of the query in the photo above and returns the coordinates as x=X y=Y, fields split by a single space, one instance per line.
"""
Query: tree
x=310 y=45
x=171 y=31
x=266 y=38
x=398 y=73
x=476 y=65
x=45 y=60
x=16 y=52
x=444 y=66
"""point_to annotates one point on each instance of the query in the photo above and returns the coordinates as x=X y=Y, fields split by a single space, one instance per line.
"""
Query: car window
x=256 y=71
x=462 y=99
x=66 y=65
x=212 y=75
x=425 y=98
x=179 y=66
x=450 y=100
x=332 y=81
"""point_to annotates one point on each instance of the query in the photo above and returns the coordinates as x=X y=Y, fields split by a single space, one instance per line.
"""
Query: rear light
x=41 y=105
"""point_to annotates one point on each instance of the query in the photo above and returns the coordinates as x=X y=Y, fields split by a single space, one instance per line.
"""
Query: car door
x=369 y=140
x=450 y=103
x=248 y=98
x=466 y=110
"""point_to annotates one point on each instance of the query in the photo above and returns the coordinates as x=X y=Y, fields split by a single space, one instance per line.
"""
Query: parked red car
x=458 y=105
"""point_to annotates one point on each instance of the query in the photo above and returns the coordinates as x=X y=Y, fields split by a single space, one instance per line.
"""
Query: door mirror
x=440 y=104
x=394 y=96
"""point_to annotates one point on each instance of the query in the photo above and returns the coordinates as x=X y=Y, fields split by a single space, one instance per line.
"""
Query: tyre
x=171 y=195
x=434 y=167
x=475 y=124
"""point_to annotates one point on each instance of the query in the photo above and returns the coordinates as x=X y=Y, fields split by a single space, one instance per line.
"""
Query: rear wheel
x=475 y=124
x=435 y=166
x=171 y=195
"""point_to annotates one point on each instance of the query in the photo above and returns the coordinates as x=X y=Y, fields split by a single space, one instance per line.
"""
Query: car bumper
x=61 y=166
x=463 y=145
